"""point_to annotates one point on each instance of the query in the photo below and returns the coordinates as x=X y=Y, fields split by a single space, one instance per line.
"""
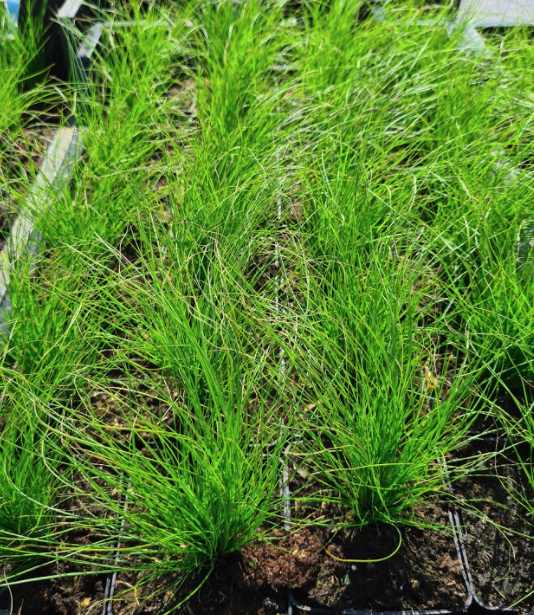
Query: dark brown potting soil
x=424 y=574
x=62 y=596
x=499 y=537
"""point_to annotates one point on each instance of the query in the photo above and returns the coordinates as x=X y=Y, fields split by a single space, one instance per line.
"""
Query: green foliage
x=283 y=230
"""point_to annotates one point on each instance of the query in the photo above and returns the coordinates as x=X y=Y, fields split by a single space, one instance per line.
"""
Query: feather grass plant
x=390 y=400
x=196 y=451
x=391 y=391
x=484 y=244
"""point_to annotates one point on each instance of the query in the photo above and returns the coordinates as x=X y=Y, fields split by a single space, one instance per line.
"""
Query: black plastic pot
x=50 y=22
x=36 y=21
x=296 y=607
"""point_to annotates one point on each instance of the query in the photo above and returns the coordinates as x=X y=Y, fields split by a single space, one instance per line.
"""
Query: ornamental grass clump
x=190 y=436
x=481 y=228
x=390 y=400
x=484 y=244
x=391 y=392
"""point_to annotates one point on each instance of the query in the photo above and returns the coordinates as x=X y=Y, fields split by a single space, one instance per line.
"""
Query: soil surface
x=424 y=574
x=234 y=588
x=239 y=586
x=501 y=557
x=66 y=595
